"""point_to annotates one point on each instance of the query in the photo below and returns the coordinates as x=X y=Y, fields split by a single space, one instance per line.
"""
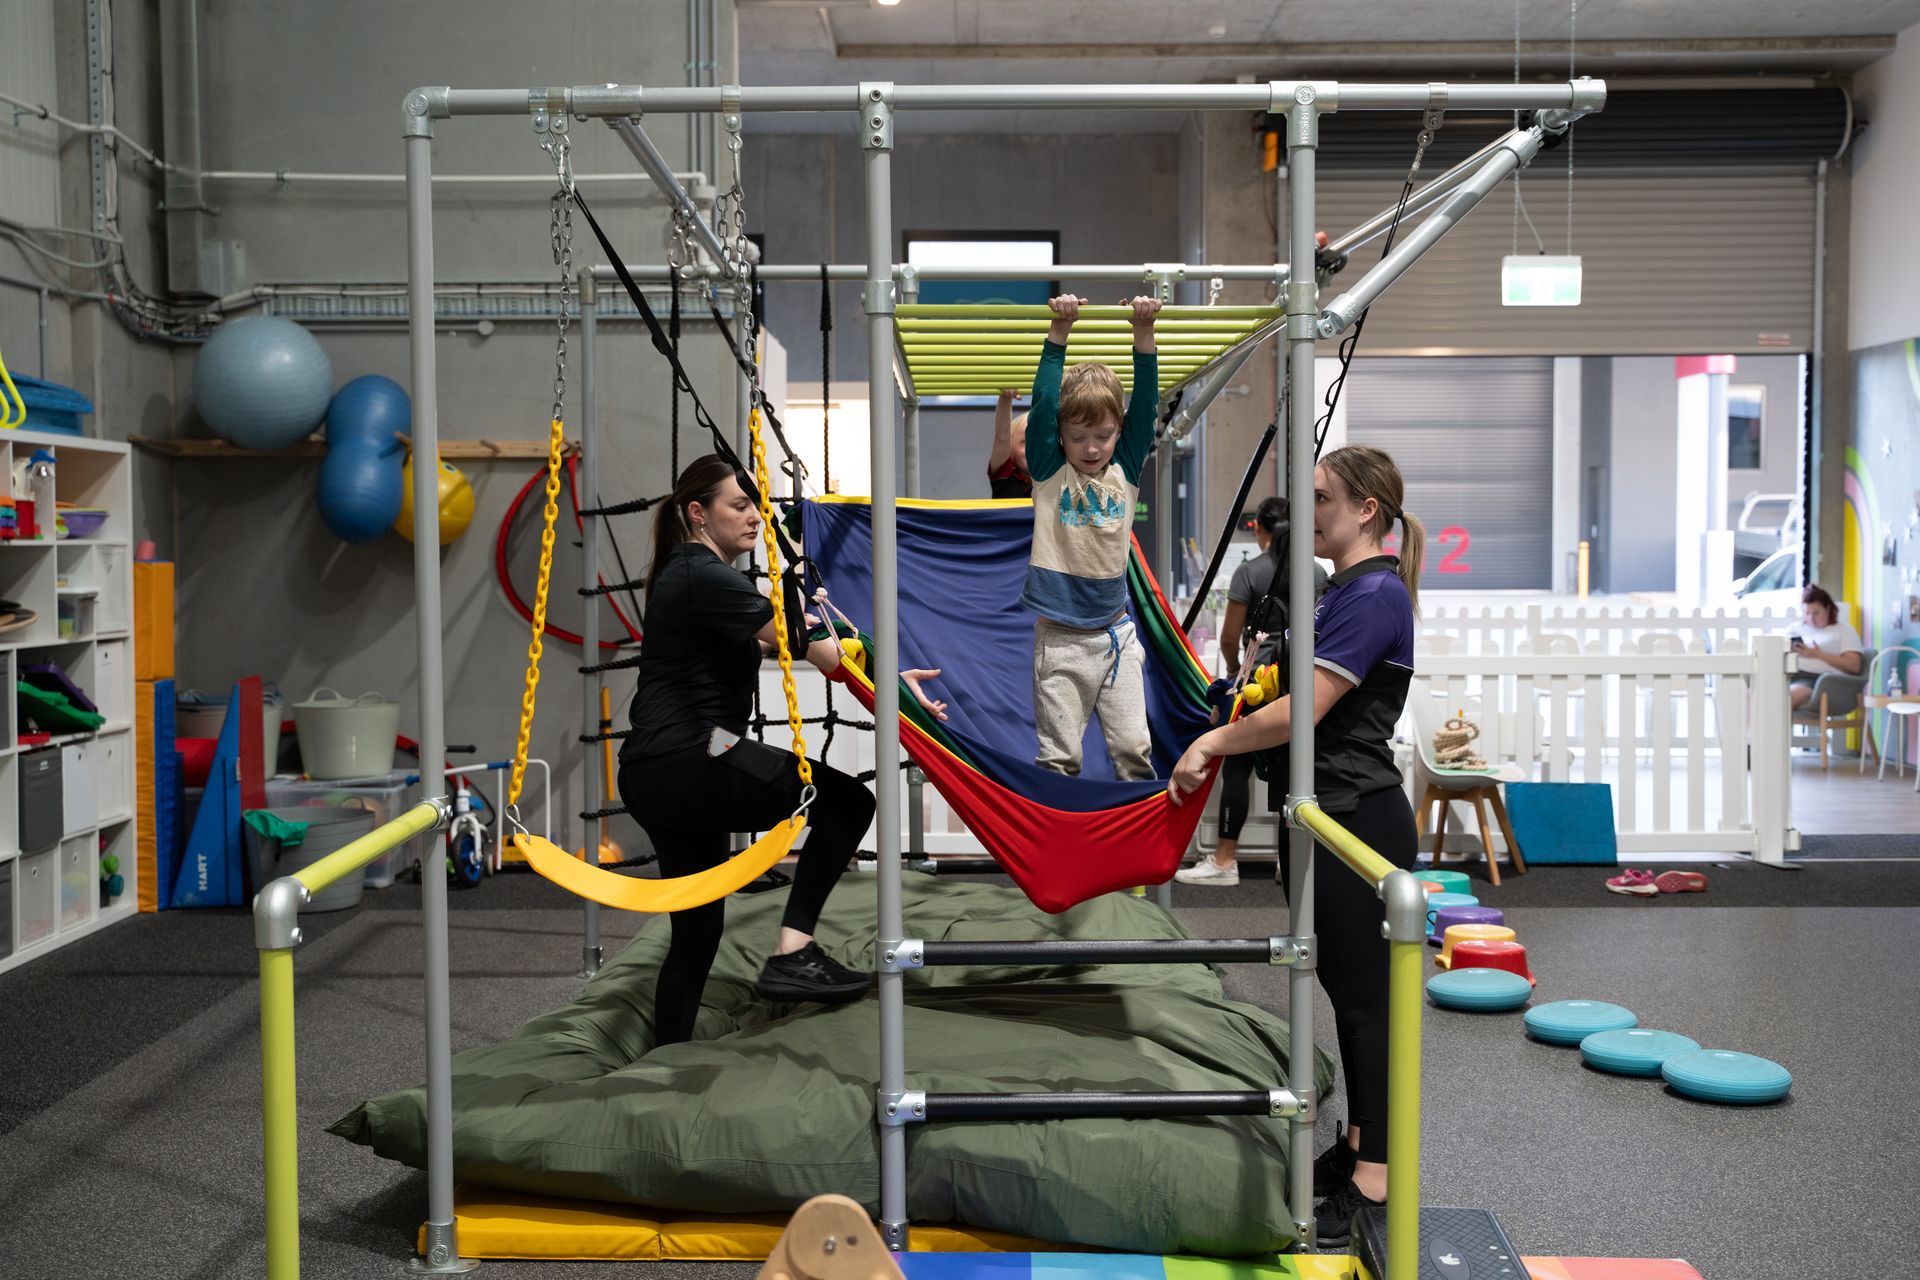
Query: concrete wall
x=1885 y=270
x=263 y=587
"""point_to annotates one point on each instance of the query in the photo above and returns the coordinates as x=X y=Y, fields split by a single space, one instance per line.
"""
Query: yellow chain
x=549 y=516
x=761 y=478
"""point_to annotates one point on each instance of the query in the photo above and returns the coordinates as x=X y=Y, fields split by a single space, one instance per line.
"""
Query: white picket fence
x=1594 y=628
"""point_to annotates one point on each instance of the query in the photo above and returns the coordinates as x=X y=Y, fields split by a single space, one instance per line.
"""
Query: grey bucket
x=327 y=831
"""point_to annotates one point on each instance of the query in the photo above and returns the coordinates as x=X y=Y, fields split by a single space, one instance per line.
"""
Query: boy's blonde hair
x=1090 y=393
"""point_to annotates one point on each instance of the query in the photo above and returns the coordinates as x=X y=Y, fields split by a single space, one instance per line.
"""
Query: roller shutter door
x=1474 y=441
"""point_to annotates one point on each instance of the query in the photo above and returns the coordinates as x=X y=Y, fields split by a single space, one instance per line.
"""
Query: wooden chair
x=1445 y=786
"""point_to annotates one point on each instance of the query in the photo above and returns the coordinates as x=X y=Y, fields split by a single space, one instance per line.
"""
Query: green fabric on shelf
x=53 y=712
x=269 y=825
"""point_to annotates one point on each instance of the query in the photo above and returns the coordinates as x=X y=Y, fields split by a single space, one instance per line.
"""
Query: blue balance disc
x=1635 y=1051
x=1435 y=901
x=1479 y=990
x=1449 y=881
x=1722 y=1075
x=1571 y=1021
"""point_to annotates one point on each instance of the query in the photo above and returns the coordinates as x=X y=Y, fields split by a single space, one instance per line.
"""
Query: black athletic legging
x=1236 y=794
x=689 y=804
x=1352 y=964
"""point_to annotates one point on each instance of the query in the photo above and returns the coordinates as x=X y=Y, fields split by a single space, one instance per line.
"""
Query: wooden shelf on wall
x=450 y=450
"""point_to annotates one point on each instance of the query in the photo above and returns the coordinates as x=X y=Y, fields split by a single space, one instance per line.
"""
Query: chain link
x=801 y=763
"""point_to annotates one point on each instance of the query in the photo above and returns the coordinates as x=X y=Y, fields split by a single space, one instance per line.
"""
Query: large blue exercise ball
x=360 y=490
x=372 y=409
x=262 y=382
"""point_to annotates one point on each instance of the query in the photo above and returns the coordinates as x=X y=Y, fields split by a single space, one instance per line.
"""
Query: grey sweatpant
x=1078 y=673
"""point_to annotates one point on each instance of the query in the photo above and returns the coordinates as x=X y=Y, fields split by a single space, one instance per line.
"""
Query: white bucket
x=346 y=739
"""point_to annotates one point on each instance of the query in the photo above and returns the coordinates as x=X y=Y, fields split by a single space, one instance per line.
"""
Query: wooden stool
x=1480 y=797
x=830 y=1238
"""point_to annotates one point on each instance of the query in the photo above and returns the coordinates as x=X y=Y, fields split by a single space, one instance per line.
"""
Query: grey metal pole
x=912 y=446
x=662 y=174
x=916 y=780
x=876 y=135
x=442 y=1254
x=1303 y=136
x=596 y=786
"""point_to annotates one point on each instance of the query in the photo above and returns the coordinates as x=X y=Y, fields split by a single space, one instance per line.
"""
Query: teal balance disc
x=1571 y=1021
x=1449 y=881
x=1633 y=1051
x=1722 y=1075
x=1479 y=990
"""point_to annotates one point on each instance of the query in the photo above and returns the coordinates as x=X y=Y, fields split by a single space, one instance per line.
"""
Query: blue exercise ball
x=360 y=490
x=370 y=408
x=262 y=382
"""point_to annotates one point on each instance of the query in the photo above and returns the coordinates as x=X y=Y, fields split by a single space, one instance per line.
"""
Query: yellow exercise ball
x=456 y=502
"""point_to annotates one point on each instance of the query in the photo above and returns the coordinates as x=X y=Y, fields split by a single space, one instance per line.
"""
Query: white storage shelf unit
x=80 y=591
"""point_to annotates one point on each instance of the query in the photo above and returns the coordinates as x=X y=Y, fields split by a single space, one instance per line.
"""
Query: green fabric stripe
x=1160 y=634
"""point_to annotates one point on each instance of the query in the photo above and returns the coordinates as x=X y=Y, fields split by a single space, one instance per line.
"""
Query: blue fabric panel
x=961 y=574
x=1563 y=823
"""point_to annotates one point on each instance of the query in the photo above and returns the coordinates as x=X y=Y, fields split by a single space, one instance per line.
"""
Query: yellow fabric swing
x=676 y=893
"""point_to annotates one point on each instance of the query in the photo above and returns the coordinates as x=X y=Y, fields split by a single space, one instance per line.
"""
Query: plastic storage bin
x=6 y=909
x=79 y=882
x=385 y=797
x=42 y=817
x=39 y=893
x=328 y=829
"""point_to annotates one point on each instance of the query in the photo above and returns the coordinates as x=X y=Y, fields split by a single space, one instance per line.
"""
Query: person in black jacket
x=689 y=774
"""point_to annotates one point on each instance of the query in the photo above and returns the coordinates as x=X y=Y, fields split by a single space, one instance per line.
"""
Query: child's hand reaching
x=934 y=707
x=1066 y=309
x=1144 y=310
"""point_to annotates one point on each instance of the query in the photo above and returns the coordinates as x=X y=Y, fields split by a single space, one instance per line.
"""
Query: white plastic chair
x=1481 y=790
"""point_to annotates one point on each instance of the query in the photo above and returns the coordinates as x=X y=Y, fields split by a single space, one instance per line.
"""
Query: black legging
x=1236 y=794
x=1352 y=964
x=689 y=804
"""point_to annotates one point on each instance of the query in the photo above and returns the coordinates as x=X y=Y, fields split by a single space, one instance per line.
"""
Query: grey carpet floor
x=1815 y=847
x=160 y=1131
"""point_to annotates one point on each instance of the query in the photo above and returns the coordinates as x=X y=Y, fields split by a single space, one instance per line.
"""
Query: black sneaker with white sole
x=1333 y=1217
x=810 y=974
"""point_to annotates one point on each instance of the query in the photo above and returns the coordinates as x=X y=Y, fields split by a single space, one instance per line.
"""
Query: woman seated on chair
x=691 y=777
x=1825 y=643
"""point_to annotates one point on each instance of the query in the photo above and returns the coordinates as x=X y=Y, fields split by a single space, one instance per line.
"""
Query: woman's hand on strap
x=1190 y=774
x=932 y=706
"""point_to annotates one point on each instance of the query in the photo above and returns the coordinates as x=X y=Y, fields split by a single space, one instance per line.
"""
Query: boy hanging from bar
x=1085 y=454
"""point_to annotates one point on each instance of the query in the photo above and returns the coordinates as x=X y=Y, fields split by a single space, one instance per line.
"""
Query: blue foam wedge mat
x=1724 y=1075
x=1571 y=1021
x=1479 y=990
x=1633 y=1051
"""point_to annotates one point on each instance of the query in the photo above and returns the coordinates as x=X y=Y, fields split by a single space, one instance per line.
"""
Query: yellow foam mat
x=502 y=1224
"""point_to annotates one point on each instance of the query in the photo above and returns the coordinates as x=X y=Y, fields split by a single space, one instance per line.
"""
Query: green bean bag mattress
x=772 y=1104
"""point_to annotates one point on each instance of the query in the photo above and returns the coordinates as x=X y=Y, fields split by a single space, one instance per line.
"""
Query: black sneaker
x=810 y=974
x=1332 y=1167
x=1334 y=1216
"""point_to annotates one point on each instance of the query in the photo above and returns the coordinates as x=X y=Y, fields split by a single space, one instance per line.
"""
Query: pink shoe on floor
x=1680 y=882
x=1639 y=884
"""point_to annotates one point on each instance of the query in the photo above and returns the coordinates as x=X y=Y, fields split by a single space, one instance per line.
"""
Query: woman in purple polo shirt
x=1363 y=663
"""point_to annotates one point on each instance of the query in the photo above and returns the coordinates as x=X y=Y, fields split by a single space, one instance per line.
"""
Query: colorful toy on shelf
x=54 y=712
x=456 y=502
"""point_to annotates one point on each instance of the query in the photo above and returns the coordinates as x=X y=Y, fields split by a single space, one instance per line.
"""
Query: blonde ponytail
x=1370 y=473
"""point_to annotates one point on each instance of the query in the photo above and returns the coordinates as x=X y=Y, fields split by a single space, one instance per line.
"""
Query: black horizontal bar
x=1100 y=951
x=1073 y=1106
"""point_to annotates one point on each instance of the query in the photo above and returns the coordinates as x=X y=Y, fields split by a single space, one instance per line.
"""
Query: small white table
x=1901 y=706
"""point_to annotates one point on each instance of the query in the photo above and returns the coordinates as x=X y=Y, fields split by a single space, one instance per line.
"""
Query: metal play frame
x=1306 y=320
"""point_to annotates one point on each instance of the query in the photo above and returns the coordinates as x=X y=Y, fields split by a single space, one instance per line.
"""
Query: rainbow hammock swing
x=962 y=566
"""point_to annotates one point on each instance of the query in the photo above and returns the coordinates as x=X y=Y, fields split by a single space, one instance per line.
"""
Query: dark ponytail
x=671 y=524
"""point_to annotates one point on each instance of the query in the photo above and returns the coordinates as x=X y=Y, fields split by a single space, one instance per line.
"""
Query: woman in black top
x=1363 y=663
x=706 y=630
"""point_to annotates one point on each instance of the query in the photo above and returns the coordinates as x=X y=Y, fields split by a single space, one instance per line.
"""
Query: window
x=1746 y=413
x=978 y=249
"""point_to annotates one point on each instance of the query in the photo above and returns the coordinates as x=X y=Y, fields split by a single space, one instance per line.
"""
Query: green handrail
x=1010 y=311
x=276 y=938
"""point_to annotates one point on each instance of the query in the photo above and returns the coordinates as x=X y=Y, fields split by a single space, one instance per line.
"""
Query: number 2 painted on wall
x=1455 y=561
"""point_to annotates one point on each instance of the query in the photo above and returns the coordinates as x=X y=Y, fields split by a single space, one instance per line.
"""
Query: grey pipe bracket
x=1285 y=1102
x=876 y=115
x=548 y=109
x=878 y=298
x=1406 y=908
x=608 y=101
x=1306 y=1106
x=909 y=277
x=901 y=954
x=904 y=1108
x=422 y=107
x=1294 y=953
x=1292 y=806
x=276 y=914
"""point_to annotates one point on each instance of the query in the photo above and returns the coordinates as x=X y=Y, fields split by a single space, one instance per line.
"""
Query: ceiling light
x=1532 y=280
x=887 y=3
x=1217 y=30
